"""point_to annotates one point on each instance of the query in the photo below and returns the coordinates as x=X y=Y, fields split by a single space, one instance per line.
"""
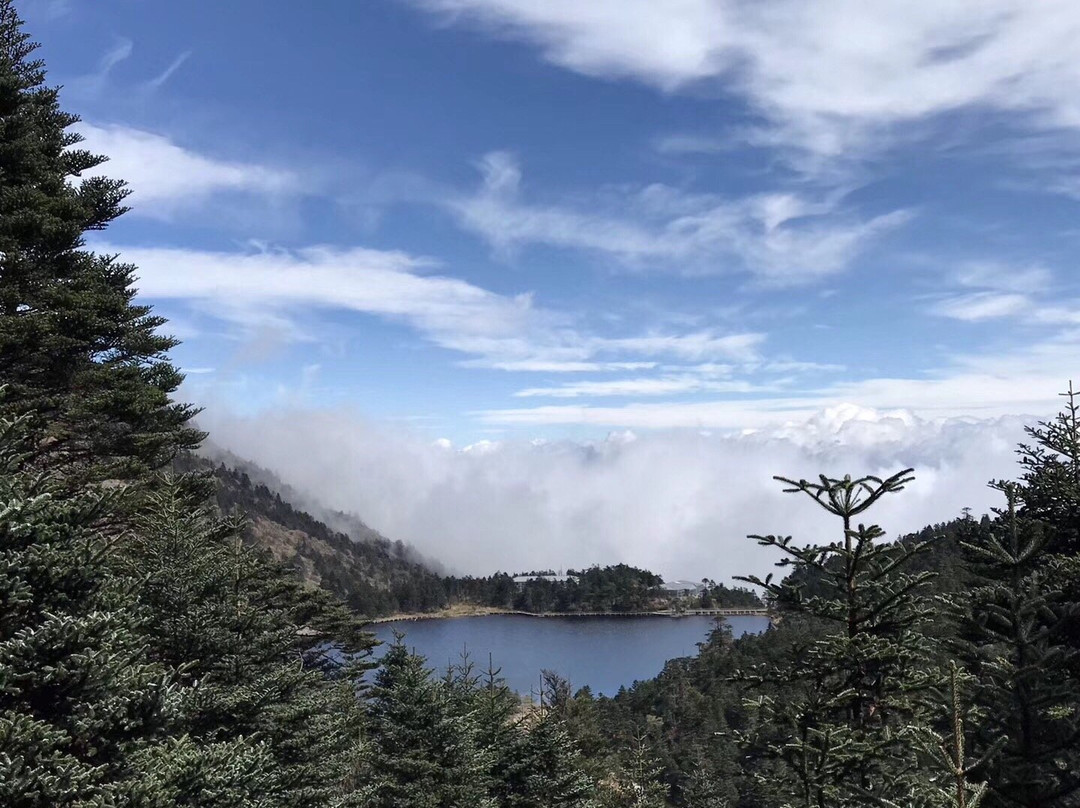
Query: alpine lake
x=604 y=653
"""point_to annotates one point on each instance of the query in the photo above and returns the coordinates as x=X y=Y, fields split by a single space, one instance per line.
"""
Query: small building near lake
x=682 y=589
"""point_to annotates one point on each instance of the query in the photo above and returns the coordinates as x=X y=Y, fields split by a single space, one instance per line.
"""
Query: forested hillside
x=614 y=588
x=687 y=722
x=338 y=521
x=372 y=574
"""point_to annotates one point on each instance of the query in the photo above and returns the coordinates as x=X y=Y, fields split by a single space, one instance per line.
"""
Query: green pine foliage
x=614 y=588
x=483 y=701
x=423 y=749
x=950 y=781
x=1013 y=640
x=636 y=781
x=541 y=767
x=1050 y=493
x=537 y=762
x=76 y=353
x=78 y=700
x=497 y=706
x=1050 y=483
x=834 y=722
x=466 y=739
x=182 y=772
x=249 y=645
x=707 y=784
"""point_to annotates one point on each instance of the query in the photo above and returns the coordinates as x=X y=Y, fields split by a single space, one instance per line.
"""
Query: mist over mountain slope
x=338 y=520
x=372 y=574
x=680 y=503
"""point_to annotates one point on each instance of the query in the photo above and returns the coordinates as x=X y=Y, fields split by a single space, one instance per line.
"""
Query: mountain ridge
x=374 y=575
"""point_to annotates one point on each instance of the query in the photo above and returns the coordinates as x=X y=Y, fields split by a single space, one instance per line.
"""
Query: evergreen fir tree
x=1050 y=489
x=182 y=772
x=75 y=351
x=239 y=631
x=950 y=782
x=495 y=708
x=1050 y=493
x=708 y=782
x=78 y=702
x=1013 y=641
x=637 y=781
x=583 y=721
x=531 y=759
x=835 y=716
x=422 y=752
x=542 y=769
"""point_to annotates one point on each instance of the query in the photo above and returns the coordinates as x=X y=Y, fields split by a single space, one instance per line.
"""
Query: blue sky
x=599 y=218
x=506 y=220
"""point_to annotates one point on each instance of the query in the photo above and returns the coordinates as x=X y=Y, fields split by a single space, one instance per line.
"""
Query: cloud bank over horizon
x=677 y=502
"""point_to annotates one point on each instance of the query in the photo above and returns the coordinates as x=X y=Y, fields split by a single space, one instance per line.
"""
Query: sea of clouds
x=679 y=502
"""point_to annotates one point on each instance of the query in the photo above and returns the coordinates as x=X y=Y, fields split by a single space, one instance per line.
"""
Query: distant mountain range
x=327 y=548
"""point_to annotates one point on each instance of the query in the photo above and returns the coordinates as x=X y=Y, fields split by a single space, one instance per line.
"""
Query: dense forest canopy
x=157 y=650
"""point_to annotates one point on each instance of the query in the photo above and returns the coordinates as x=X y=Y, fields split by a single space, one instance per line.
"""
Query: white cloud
x=986 y=385
x=667 y=44
x=675 y=502
x=953 y=397
x=695 y=144
x=830 y=78
x=981 y=306
x=1052 y=156
x=648 y=386
x=1068 y=315
x=271 y=289
x=454 y=313
x=1006 y=291
x=46 y=9
x=165 y=177
x=166 y=74
x=781 y=238
x=92 y=84
x=615 y=387
x=693 y=346
x=998 y=276
x=120 y=51
x=556 y=366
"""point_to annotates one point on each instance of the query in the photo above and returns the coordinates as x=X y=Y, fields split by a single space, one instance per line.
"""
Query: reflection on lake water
x=604 y=653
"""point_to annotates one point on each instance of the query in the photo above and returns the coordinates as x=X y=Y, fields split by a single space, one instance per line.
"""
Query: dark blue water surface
x=604 y=653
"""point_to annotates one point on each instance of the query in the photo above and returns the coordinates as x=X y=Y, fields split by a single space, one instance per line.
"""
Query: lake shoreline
x=469 y=610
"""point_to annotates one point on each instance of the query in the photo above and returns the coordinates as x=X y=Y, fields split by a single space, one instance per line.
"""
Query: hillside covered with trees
x=615 y=588
x=371 y=574
x=156 y=651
